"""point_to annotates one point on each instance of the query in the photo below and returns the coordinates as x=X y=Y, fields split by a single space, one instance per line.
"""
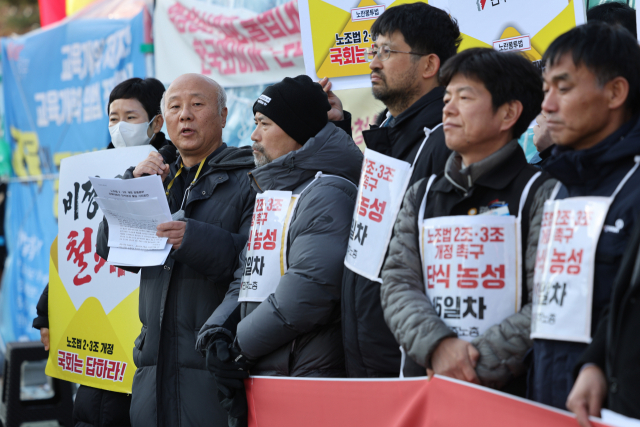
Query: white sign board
x=83 y=273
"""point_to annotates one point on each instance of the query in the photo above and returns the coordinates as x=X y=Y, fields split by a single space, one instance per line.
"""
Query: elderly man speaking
x=211 y=200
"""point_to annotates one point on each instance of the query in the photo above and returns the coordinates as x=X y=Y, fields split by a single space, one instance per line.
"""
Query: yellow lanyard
x=180 y=171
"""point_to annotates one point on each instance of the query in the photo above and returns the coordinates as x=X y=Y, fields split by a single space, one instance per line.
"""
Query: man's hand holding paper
x=173 y=231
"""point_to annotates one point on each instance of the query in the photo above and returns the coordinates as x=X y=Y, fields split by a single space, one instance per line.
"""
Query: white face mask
x=125 y=134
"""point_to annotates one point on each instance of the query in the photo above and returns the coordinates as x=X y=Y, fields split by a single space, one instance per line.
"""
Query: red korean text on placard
x=438 y=275
x=70 y=362
x=466 y=251
x=439 y=235
x=265 y=240
x=569 y=262
x=358 y=126
x=374 y=209
x=77 y=249
x=347 y=55
x=491 y=278
x=105 y=369
x=259 y=218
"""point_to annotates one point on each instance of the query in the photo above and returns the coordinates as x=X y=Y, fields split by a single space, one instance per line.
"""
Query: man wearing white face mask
x=134 y=119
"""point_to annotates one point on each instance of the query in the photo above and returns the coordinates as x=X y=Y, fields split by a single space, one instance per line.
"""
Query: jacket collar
x=399 y=139
x=588 y=167
x=223 y=158
x=435 y=95
x=331 y=152
x=495 y=172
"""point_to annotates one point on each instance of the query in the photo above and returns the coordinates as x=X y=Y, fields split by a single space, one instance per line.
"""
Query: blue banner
x=56 y=88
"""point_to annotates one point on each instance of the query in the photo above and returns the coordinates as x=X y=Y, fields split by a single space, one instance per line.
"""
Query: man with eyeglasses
x=412 y=41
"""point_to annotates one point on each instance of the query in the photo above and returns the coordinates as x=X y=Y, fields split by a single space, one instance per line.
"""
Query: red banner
x=295 y=402
x=52 y=11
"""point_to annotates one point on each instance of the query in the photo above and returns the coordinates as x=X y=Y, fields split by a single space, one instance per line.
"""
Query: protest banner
x=336 y=33
x=525 y=26
x=233 y=46
x=56 y=86
x=389 y=402
x=93 y=305
x=383 y=182
x=565 y=264
x=471 y=268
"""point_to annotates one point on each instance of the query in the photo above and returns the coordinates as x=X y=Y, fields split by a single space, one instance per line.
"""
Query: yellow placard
x=335 y=36
x=339 y=39
x=89 y=347
x=552 y=19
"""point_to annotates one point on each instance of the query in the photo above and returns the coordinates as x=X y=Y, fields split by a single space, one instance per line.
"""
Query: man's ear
x=510 y=112
x=617 y=92
x=157 y=124
x=431 y=65
x=223 y=116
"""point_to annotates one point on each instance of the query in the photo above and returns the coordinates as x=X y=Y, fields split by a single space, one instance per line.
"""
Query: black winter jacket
x=615 y=347
x=296 y=330
x=172 y=386
x=596 y=171
x=370 y=348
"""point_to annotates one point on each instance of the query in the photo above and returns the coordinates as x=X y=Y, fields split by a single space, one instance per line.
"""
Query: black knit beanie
x=298 y=105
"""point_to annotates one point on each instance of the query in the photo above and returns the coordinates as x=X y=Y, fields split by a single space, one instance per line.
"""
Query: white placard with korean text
x=266 y=248
x=383 y=182
x=471 y=268
x=83 y=273
x=565 y=262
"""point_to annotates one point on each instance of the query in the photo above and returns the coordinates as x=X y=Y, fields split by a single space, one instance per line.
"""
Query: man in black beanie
x=281 y=315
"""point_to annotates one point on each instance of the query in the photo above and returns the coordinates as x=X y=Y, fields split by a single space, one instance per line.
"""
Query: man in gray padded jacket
x=282 y=311
x=469 y=318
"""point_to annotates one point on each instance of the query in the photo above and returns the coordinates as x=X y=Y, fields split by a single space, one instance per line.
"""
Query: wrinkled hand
x=587 y=394
x=455 y=358
x=174 y=230
x=336 y=113
x=541 y=138
x=228 y=366
x=152 y=165
x=44 y=338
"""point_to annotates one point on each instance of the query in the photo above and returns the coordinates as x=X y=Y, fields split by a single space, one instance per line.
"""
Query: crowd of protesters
x=216 y=311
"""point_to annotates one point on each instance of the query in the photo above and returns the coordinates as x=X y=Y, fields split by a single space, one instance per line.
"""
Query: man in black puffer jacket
x=595 y=129
x=289 y=305
x=405 y=78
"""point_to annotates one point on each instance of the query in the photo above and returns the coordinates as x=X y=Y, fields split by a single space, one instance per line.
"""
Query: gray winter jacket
x=409 y=312
x=172 y=386
x=296 y=330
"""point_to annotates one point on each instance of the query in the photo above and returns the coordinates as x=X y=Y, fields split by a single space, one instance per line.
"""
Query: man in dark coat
x=134 y=102
x=592 y=102
x=293 y=329
x=412 y=42
x=609 y=368
x=211 y=200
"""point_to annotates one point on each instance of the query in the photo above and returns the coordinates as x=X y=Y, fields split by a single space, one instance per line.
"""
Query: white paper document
x=133 y=209
x=132 y=225
x=615 y=419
